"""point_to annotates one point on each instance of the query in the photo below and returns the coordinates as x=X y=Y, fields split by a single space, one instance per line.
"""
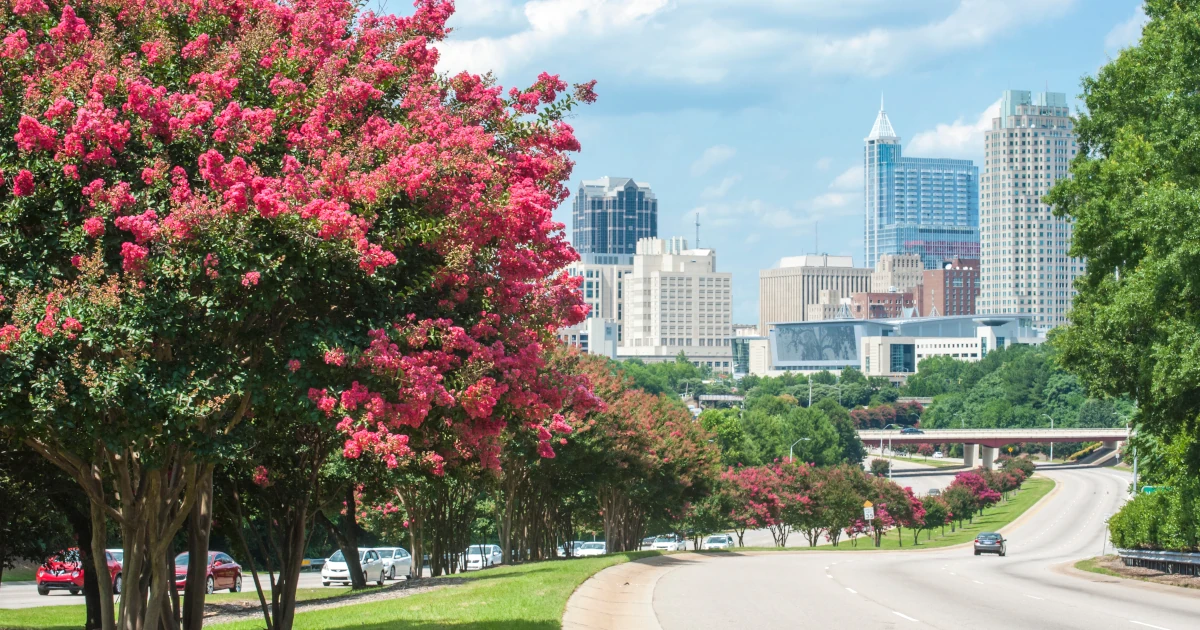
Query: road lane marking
x=977 y=581
x=1035 y=597
x=953 y=573
x=900 y=614
x=829 y=576
x=852 y=590
x=1147 y=625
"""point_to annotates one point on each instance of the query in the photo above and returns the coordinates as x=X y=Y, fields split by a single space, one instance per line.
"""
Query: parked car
x=933 y=492
x=483 y=556
x=336 y=570
x=648 y=541
x=911 y=431
x=222 y=572
x=718 y=541
x=938 y=454
x=396 y=561
x=64 y=572
x=670 y=542
x=991 y=542
x=592 y=549
x=572 y=546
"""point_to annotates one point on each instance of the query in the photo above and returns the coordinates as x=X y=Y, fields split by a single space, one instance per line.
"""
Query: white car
x=396 y=561
x=483 y=556
x=668 y=543
x=718 y=541
x=938 y=455
x=591 y=549
x=335 y=569
x=572 y=546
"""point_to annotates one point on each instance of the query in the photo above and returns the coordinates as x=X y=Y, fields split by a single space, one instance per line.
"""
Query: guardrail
x=1173 y=562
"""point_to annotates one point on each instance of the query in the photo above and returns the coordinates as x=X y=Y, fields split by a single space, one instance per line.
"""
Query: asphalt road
x=948 y=588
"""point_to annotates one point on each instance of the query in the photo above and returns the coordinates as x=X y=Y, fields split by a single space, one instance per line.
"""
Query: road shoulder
x=622 y=596
x=1068 y=568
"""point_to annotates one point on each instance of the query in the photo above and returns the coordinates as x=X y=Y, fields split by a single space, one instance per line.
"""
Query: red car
x=223 y=572
x=62 y=572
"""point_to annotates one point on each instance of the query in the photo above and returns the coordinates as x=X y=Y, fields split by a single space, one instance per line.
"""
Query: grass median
x=522 y=597
x=991 y=520
x=936 y=463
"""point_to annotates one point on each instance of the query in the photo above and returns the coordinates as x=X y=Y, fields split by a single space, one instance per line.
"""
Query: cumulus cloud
x=850 y=179
x=1126 y=33
x=720 y=190
x=959 y=139
x=712 y=156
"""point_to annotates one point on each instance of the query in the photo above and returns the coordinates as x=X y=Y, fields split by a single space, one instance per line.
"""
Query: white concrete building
x=897 y=273
x=785 y=292
x=593 y=335
x=898 y=356
x=603 y=286
x=1024 y=266
x=676 y=301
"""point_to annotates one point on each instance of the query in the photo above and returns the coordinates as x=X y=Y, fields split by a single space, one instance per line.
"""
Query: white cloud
x=721 y=189
x=959 y=139
x=712 y=156
x=824 y=163
x=1126 y=33
x=850 y=179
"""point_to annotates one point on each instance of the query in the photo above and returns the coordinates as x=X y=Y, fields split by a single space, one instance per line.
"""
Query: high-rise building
x=603 y=287
x=924 y=206
x=951 y=290
x=610 y=215
x=1024 y=262
x=897 y=272
x=676 y=301
x=785 y=292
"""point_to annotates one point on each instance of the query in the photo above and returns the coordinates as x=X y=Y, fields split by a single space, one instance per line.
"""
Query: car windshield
x=337 y=556
x=716 y=539
x=385 y=553
x=181 y=560
x=664 y=539
x=69 y=556
x=593 y=545
x=989 y=536
x=118 y=555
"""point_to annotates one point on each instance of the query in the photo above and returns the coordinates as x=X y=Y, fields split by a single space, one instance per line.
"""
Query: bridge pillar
x=1110 y=444
x=989 y=457
x=969 y=455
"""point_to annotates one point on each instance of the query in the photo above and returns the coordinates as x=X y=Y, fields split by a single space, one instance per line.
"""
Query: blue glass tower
x=610 y=215
x=924 y=206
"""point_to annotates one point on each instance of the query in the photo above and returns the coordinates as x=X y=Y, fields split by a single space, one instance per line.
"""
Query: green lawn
x=936 y=463
x=1092 y=565
x=524 y=597
x=992 y=519
x=72 y=616
x=18 y=575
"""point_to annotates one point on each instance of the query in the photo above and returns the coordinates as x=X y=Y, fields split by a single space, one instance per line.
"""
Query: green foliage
x=670 y=377
x=880 y=467
x=1165 y=520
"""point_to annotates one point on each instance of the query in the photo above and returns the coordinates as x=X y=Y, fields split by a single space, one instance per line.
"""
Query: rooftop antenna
x=697 y=229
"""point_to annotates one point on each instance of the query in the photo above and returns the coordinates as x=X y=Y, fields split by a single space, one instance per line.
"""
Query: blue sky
x=751 y=113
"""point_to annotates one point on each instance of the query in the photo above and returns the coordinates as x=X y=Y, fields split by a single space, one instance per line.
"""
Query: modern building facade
x=676 y=301
x=1023 y=246
x=610 y=215
x=951 y=290
x=603 y=287
x=923 y=206
x=786 y=291
x=897 y=272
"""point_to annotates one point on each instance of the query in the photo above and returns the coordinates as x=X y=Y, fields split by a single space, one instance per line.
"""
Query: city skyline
x=754 y=118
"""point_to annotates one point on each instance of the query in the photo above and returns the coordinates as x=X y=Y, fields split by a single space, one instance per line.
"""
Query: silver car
x=483 y=556
x=396 y=561
x=718 y=541
x=991 y=542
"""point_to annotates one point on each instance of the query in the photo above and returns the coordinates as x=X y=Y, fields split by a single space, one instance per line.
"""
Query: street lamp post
x=889 y=461
x=1046 y=415
x=790 y=457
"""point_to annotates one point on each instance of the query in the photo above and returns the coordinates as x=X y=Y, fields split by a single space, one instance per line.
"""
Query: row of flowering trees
x=259 y=256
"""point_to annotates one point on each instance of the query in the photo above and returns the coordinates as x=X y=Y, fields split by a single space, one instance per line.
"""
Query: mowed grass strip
x=20 y=574
x=523 y=597
x=992 y=520
x=936 y=463
x=72 y=616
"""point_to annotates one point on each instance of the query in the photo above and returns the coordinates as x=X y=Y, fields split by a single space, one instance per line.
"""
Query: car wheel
x=75 y=591
x=977 y=552
x=1003 y=552
x=392 y=572
x=209 y=586
x=237 y=585
x=42 y=590
x=117 y=585
x=380 y=582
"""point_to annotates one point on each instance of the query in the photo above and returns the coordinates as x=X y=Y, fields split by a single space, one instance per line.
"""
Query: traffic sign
x=868 y=511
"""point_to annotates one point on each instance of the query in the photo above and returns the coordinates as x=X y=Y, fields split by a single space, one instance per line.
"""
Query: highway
x=944 y=588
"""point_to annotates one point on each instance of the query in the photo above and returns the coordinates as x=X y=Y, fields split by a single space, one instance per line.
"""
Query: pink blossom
x=72 y=327
x=261 y=477
x=29 y=7
x=133 y=257
x=23 y=184
x=293 y=365
x=336 y=356
x=76 y=261
x=250 y=279
x=32 y=135
x=94 y=226
x=9 y=334
x=144 y=226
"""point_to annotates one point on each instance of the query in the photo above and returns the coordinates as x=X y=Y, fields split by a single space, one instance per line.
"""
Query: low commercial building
x=786 y=291
x=594 y=335
x=881 y=305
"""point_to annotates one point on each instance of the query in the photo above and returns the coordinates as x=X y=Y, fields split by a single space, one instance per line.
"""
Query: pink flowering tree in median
x=218 y=212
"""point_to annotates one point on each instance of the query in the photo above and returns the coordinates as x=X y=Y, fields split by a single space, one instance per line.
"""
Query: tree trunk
x=99 y=541
x=199 y=529
x=283 y=593
x=347 y=538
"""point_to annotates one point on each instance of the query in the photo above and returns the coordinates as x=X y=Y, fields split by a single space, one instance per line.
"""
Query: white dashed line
x=900 y=614
x=953 y=573
x=852 y=590
x=1034 y=597
x=1147 y=625
x=977 y=581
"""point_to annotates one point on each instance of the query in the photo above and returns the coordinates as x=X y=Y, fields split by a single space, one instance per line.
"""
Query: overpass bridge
x=990 y=440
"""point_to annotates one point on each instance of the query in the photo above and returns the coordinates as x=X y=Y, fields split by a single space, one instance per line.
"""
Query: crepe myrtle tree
x=201 y=198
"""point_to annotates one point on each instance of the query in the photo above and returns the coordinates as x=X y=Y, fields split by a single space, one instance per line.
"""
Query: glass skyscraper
x=924 y=206
x=609 y=216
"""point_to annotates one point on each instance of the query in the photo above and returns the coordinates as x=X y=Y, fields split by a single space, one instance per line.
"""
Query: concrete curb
x=622 y=596
x=1068 y=568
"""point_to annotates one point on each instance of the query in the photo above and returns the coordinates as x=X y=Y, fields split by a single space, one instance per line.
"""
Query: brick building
x=951 y=290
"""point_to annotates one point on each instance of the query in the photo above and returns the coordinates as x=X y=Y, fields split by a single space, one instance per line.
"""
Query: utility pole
x=810 y=391
x=1046 y=415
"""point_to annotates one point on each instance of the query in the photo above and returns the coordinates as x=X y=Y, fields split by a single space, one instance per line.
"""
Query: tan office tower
x=1024 y=265
x=897 y=272
x=785 y=292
